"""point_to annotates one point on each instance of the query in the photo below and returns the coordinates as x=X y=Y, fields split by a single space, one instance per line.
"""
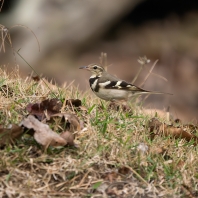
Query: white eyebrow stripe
x=93 y=76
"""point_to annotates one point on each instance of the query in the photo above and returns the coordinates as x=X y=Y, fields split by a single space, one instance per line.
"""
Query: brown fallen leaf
x=69 y=137
x=111 y=176
x=43 y=134
x=73 y=102
x=176 y=132
x=124 y=170
x=154 y=125
x=177 y=120
x=75 y=105
x=10 y=135
x=157 y=150
x=36 y=78
x=49 y=106
x=157 y=127
x=72 y=122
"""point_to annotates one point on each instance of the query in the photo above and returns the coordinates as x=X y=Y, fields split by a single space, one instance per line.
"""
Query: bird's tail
x=157 y=92
x=140 y=91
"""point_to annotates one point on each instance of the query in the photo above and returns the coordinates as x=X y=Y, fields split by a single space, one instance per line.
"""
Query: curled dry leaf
x=36 y=78
x=124 y=170
x=154 y=125
x=157 y=150
x=43 y=134
x=10 y=135
x=176 y=132
x=72 y=122
x=111 y=176
x=74 y=102
x=177 y=120
x=157 y=127
x=69 y=137
x=49 y=106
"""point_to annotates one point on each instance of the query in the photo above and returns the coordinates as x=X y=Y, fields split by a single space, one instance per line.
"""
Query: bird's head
x=94 y=68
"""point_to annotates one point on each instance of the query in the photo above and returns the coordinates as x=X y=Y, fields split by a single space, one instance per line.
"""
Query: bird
x=111 y=88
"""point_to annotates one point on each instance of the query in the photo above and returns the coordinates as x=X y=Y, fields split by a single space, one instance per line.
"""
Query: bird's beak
x=83 y=67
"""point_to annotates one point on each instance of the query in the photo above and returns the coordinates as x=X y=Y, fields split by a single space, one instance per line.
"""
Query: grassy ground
x=115 y=157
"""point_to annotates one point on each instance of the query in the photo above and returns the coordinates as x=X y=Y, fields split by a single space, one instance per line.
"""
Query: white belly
x=113 y=94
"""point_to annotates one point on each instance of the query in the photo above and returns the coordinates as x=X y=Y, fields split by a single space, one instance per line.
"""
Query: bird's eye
x=95 y=67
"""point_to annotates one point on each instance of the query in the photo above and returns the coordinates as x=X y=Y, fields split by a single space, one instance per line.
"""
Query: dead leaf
x=177 y=120
x=157 y=127
x=74 y=103
x=177 y=132
x=49 y=106
x=43 y=134
x=154 y=124
x=72 y=122
x=124 y=170
x=112 y=176
x=180 y=164
x=69 y=137
x=10 y=135
x=157 y=150
x=36 y=78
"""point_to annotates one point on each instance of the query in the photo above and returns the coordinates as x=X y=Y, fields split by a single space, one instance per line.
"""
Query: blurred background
x=73 y=33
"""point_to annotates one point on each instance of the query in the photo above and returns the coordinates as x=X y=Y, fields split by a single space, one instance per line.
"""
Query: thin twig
x=150 y=71
x=19 y=25
x=138 y=73
x=143 y=61
x=159 y=76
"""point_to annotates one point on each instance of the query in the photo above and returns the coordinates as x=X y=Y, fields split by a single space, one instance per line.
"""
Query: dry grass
x=116 y=156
